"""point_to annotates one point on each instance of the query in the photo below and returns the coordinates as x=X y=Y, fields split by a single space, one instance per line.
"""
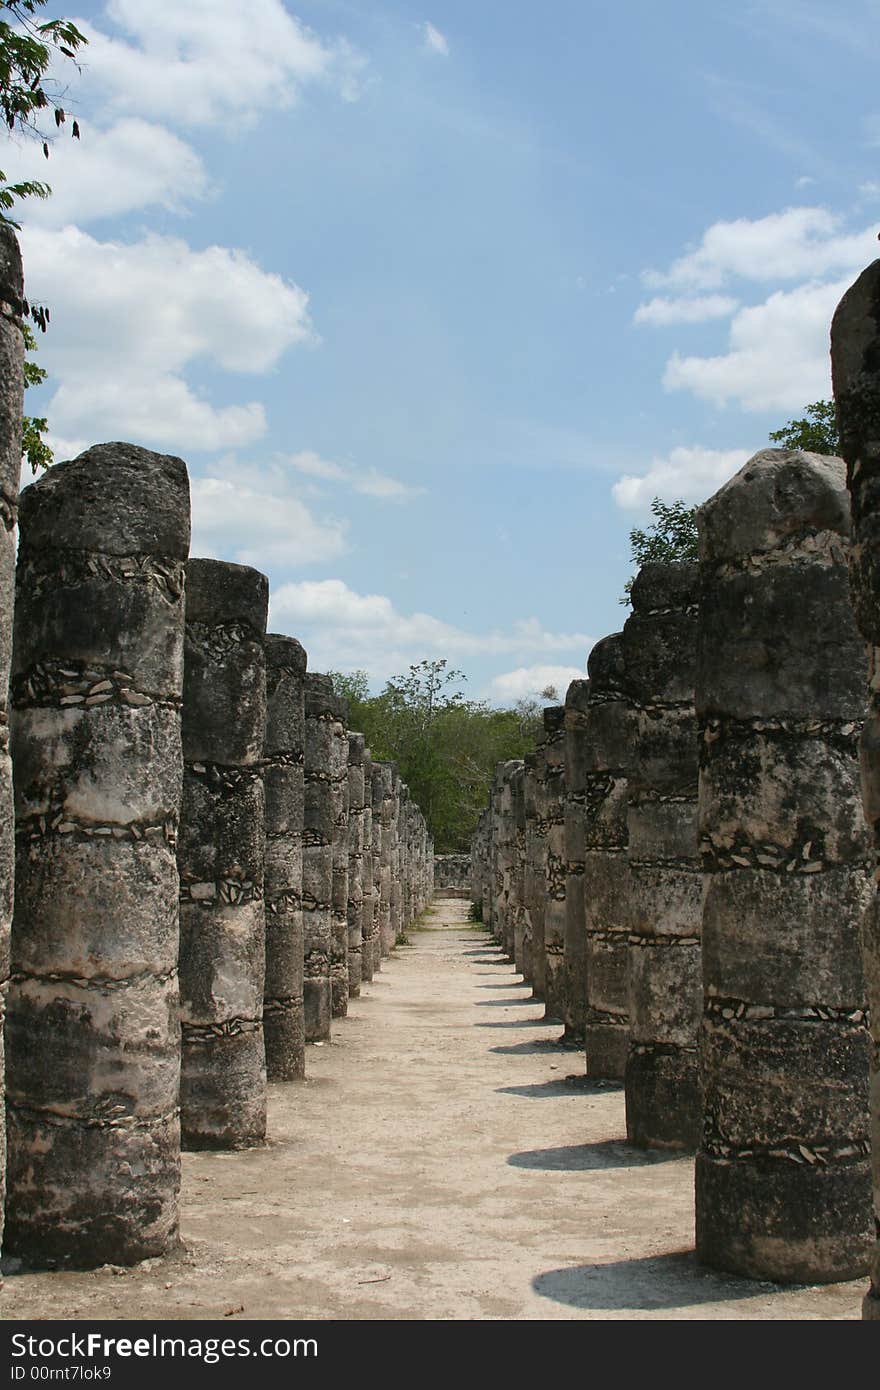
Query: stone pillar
x=530 y=817
x=11 y=394
x=318 y=826
x=355 y=863
x=606 y=871
x=855 y=365
x=92 y=1030
x=516 y=907
x=494 y=863
x=383 y=812
x=554 y=911
x=368 y=917
x=283 y=774
x=663 y=1097
x=394 y=858
x=574 y=980
x=783 y=1181
x=339 y=915
x=403 y=855
x=221 y=857
x=538 y=904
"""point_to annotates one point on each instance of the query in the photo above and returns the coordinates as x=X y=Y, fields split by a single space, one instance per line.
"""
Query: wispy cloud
x=435 y=42
x=686 y=310
x=369 y=482
x=691 y=473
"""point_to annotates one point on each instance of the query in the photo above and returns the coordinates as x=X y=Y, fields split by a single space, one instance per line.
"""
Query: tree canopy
x=817 y=432
x=672 y=536
x=445 y=745
x=28 y=94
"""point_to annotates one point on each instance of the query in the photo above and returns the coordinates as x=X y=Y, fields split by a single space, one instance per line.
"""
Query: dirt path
x=437 y=1164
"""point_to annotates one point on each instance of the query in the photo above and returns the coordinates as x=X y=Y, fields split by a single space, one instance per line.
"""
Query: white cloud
x=209 y=62
x=698 y=310
x=690 y=473
x=369 y=482
x=527 y=682
x=133 y=164
x=344 y=629
x=777 y=356
x=127 y=319
x=254 y=521
x=791 y=245
x=434 y=40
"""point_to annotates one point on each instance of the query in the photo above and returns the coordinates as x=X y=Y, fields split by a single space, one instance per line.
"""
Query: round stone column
x=855 y=365
x=574 y=982
x=554 y=910
x=607 y=747
x=783 y=1177
x=221 y=858
x=339 y=897
x=355 y=862
x=283 y=776
x=318 y=825
x=93 y=1037
x=663 y=1095
x=368 y=918
x=11 y=394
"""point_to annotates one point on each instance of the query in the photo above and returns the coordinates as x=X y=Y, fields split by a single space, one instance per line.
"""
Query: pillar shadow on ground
x=561 y=1086
x=581 y=1158
x=511 y=1003
x=523 y=1048
x=660 y=1281
x=516 y=1022
x=481 y=950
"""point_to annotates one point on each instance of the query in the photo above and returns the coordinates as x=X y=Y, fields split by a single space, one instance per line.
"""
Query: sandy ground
x=446 y=1159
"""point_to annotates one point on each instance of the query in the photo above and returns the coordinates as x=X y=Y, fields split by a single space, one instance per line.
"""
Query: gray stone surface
x=383 y=811
x=607 y=749
x=783 y=1175
x=369 y=919
x=538 y=872
x=318 y=827
x=11 y=394
x=338 y=773
x=356 y=831
x=283 y=778
x=92 y=1033
x=221 y=858
x=855 y=363
x=556 y=876
x=665 y=999
x=574 y=980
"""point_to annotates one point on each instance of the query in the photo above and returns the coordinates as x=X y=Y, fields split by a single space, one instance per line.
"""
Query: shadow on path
x=659 y=1281
x=513 y=1002
x=533 y=1045
x=559 y=1086
x=580 y=1158
x=514 y=1022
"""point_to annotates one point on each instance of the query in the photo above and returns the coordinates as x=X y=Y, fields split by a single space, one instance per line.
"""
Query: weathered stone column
x=855 y=364
x=394 y=858
x=538 y=904
x=383 y=814
x=339 y=914
x=554 y=911
x=355 y=863
x=496 y=878
x=368 y=916
x=403 y=854
x=783 y=1180
x=11 y=395
x=530 y=816
x=516 y=906
x=92 y=1033
x=663 y=1096
x=221 y=858
x=318 y=826
x=574 y=981
x=283 y=776
x=606 y=871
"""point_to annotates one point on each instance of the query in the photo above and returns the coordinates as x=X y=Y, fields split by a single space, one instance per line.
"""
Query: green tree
x=28 y=94
x=817 y=433
x=445 y=745
x=34 y=449
x=671 y=537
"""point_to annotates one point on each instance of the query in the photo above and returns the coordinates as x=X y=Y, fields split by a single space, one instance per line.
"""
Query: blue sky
x=433 y=301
